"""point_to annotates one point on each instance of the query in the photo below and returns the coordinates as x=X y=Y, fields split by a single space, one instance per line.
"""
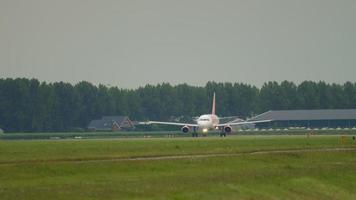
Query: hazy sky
x=131 y=43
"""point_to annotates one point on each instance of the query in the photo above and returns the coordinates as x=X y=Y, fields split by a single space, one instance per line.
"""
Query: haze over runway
x=132 y=43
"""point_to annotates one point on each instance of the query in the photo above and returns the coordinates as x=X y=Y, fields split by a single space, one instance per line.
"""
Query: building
x=333 y=118
x=111 y=123
x=1 y=131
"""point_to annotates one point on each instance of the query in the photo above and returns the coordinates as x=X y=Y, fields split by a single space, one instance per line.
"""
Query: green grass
x=308 y=175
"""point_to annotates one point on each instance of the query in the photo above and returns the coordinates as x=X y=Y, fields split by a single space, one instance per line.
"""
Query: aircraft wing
x=170 y=123
x=229 y=117
x=244 y=122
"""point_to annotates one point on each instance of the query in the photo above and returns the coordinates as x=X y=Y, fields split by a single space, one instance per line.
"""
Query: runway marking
x=173 y=157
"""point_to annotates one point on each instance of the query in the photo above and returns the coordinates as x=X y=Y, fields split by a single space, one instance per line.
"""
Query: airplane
x=207 y=122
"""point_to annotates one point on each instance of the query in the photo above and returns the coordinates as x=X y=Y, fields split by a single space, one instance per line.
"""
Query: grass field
x=101 y=169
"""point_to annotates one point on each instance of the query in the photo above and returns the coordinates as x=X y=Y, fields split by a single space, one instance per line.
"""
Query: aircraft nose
x=203 y=123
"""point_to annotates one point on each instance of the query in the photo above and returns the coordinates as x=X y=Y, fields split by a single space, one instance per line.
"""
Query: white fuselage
x=208 y=121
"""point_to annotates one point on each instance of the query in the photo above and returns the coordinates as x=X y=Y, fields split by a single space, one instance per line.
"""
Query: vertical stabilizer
x=213 y=109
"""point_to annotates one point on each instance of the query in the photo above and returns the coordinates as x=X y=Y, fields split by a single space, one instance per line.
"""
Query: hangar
x=329 y=118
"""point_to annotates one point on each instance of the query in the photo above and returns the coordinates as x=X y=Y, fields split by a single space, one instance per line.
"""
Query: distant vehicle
x=207 y=122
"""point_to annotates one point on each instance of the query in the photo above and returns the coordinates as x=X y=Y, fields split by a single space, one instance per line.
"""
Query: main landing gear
x=222 y=134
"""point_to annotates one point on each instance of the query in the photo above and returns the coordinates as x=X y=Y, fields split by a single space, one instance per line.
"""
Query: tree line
x=31 y=105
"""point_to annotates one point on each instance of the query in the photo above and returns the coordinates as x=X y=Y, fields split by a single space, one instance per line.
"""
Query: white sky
x=131 y=43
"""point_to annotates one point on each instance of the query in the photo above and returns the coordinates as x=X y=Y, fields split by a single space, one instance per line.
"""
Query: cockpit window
x=204 y=119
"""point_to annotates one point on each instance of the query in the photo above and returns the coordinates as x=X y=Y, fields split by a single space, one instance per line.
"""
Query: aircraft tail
x=213 y=108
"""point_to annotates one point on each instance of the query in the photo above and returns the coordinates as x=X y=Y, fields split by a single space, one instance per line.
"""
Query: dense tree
x=87 y=103
x=30 y=105
x=309 y=95
x=350 y=94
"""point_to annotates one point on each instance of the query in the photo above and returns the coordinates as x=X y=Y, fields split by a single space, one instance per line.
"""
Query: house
x=327 y=118
x=111 y=123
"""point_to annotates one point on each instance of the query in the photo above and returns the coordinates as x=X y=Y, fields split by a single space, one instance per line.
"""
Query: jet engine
x=227 y=129
x=185 y=129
